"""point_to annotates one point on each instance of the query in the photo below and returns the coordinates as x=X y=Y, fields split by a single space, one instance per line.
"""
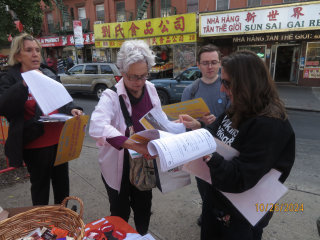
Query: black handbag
x=32 y=128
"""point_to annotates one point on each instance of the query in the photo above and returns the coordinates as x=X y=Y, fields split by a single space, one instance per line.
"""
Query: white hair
x=134 y=51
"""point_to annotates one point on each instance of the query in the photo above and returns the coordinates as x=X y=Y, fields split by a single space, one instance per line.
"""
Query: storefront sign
x=302 y=59
x=293 y=17
x=178 y=24
x=277 y=37
x=311 y=73
x=65 y=40
x=155 y=41
x=77 y=32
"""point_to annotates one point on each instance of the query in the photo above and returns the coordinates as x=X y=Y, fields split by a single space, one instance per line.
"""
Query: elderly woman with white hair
x=110 y=131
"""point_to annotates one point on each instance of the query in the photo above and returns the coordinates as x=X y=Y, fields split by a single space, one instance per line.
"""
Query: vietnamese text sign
x=65 y=40
x=71 y=139
x=295 y=17
x=165 y=40
x=195 y=108
x=177 y=24
x=4 y=129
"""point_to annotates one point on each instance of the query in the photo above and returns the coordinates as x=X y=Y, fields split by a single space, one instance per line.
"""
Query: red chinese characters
x=161 y=40
x=148 y=30
x=106 y=31
x=273 y=15
x=297 y=12
x=179 y=24
x=164 y=28
x=174 y=38
x=133 y=30
x=118 y=29
x=181 y=38
x=250 y=17
x=168 y=40
x=154 y=41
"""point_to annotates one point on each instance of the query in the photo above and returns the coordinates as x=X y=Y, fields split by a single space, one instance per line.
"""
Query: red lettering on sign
x=106 y=31
x=148 y=30
x=250 y=17
x=133 y=30
x=297 y=12
x=179 y=24
x=118 y=29
x=273 y=15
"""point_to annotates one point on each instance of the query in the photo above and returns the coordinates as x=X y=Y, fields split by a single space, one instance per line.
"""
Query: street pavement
x=175 y=214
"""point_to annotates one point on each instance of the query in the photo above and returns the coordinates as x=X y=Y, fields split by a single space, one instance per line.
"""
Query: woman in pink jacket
x=49 y=61
x=109 y=129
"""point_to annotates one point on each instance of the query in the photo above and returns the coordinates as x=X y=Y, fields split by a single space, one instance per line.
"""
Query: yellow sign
x=155 y=41
x=195 y=108
x=4 y=128
x=71 y=139
x=173 y=25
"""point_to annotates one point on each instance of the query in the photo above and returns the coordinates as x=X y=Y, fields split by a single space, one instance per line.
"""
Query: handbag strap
x=124 y=109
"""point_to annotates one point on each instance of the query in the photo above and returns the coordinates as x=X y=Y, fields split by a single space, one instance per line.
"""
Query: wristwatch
x=208 y=158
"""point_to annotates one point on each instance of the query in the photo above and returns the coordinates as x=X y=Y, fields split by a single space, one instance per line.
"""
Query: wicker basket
x=22 y=224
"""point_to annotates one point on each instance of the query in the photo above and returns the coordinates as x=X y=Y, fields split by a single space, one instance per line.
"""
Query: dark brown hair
x=208 y=48
x=253 y=89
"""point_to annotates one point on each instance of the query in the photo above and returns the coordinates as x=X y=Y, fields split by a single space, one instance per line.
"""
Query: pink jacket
x=107 y=122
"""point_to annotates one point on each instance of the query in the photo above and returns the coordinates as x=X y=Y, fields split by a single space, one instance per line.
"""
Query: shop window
x=222 y=4
x=165 y=8
x=254 y=3
x=91 y=69
x=100 y=12
x=106 y=69
x=76 y=70
x=259 y=50
x=50 y=22
x=193 y=6
x=313 y=55
x=121 y=13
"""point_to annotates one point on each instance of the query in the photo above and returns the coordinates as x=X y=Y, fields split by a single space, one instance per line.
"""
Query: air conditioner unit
x=98 y=22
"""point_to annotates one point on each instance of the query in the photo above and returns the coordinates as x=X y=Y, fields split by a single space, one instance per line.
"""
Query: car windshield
x=190 y=75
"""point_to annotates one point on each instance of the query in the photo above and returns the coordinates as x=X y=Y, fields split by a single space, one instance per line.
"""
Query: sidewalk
x=300 y=98
x=174 y=214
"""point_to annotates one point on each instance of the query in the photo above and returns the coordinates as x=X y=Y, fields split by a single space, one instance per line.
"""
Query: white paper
x=182 y=148
x=266 y=192
x=48 y=93
x=57 y=116
x=155 y=118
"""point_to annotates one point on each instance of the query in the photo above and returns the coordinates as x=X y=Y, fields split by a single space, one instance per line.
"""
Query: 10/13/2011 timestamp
x=279 y=207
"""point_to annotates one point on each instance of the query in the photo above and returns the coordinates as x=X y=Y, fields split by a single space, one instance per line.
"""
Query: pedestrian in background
x=108 y=127
x=38 y=148
x=70 y=62
x=60 y=65
x=255 y=124
x=49 y=61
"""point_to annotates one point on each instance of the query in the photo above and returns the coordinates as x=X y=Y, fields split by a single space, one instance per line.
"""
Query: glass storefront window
x=313 y=55
x=259 y=50
x=184 y=56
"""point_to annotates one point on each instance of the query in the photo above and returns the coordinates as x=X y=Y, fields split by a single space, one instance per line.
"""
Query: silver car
x=91 y=78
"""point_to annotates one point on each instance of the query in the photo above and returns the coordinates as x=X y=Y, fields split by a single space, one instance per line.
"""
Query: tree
x=28 y=12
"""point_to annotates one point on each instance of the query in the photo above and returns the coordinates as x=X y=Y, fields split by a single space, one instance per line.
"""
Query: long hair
x=253 y=89
x=17 y=46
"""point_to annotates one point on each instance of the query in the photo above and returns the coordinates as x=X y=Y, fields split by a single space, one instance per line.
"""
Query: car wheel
x=99 y=90
x=163 y=97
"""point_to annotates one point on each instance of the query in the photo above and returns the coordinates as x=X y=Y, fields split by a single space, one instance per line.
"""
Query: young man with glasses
x=208 y=88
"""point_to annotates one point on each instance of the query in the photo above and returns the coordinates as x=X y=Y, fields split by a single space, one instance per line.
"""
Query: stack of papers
x=58 y=117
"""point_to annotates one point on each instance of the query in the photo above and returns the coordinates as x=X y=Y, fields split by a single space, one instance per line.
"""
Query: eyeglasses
x=225 y=83
x=207 y=63
x=134 y=79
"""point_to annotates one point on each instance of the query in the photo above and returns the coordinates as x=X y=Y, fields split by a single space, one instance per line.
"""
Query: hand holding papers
x=48 y=93
x=174 y=150
x=58 y=117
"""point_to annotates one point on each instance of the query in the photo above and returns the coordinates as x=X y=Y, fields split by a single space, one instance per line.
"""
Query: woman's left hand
x=77 y=113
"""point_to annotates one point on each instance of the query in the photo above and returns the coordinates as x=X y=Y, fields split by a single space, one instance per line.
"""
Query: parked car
x=170 y=89
x=91 y=78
